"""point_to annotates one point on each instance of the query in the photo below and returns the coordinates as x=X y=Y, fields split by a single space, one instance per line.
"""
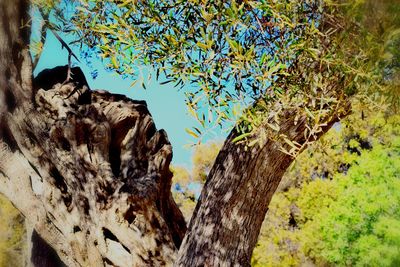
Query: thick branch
x=232 y=206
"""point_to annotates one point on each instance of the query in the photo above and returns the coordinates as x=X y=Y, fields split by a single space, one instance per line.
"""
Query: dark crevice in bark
x=32 y=137
x=5 y=175
x=150 y=131
x=58 y=179
x=18 y=59
x=8 y=73
x=109 y=235
x=7 y=136
x=109 y=262
x=10 y=99
x=147 y=262
x=118 y=133
x=59 y=182
x=129 y=215
x=43 y=255
x=35 y=169
x=65 y=145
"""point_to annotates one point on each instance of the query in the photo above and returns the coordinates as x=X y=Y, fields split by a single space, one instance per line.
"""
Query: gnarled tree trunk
x=90 y=172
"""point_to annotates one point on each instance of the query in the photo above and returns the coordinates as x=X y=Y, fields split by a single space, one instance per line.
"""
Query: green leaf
x=191 y=133
x=240 y=137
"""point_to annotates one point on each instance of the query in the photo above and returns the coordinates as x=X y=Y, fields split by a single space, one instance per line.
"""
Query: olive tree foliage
x=304 y=55
x=285 y=69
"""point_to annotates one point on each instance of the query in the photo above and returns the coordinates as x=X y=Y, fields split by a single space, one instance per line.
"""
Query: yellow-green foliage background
x=331 y=216
x=12 y=235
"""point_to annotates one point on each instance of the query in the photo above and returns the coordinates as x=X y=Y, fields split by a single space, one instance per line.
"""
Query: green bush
x=327 y=215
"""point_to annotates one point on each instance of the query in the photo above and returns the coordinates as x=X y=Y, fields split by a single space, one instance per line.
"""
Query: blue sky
x=166 y=103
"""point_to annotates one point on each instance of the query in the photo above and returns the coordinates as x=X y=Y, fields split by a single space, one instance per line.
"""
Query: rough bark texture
x=90 y=172
x=227 y=220
x=97 y=171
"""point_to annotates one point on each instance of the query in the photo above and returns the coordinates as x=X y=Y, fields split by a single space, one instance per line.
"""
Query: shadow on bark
x=93 y=176
x=43 y=255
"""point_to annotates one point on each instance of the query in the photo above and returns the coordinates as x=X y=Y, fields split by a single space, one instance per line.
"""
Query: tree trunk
x=226 y=222
x=90 y=172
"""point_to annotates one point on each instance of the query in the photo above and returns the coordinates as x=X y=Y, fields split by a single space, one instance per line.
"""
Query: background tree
x=183 y=195
x=203 y=160
x=342 y=207
x=189 y=182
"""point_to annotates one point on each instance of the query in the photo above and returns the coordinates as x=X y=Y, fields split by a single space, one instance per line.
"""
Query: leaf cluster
x=282 y=55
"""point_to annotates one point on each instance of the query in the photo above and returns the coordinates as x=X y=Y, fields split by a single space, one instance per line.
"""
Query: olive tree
x=98 y=191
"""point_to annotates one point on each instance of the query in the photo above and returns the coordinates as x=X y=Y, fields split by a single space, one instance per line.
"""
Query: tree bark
x=90 y=172
x=228 y=216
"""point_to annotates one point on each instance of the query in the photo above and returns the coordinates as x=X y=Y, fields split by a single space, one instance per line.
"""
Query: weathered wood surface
x=91 y=173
